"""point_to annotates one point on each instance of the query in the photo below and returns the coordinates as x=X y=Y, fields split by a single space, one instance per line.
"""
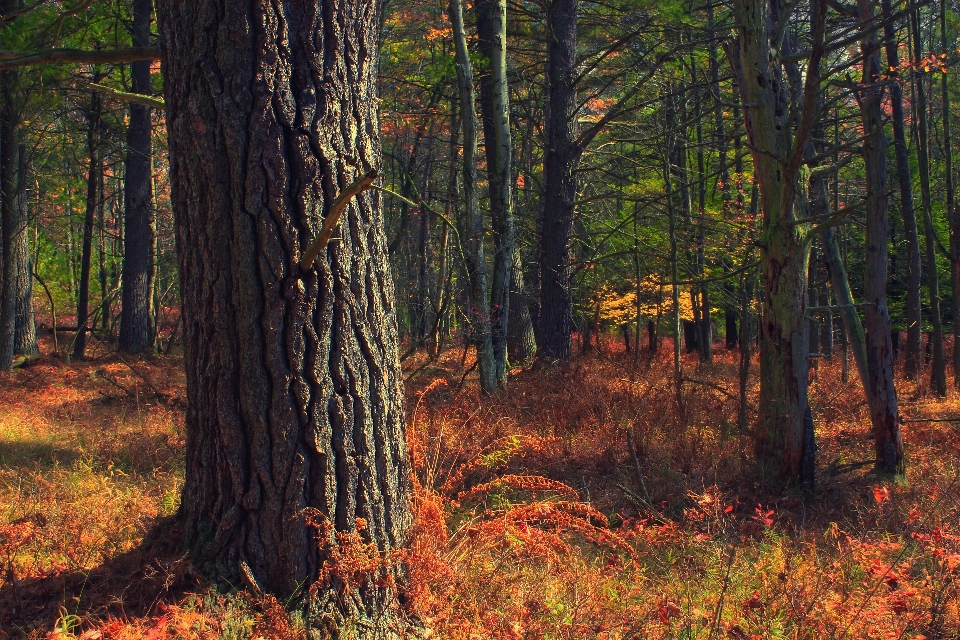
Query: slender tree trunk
x=473 y=221
x=136 y=320
x=95 y=167
x=938 y=375
x=704 y=326
x=9 y=215
x=561 y=158
x=885 y=414
x=951 y=210
x=911 y=237
x=295 y=428
x=440 y=302
x=25 y=329
x=746 y=295
x=498 y=145
x=675 y=328
x=102 y=253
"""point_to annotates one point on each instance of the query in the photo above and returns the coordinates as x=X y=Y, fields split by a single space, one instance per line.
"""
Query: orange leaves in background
x=881 y=493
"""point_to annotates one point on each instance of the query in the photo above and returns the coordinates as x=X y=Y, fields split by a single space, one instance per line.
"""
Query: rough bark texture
x=521 y=342
x=25 y=326
x=561 y=157
x=498 y=146
x=8 y=215
x=136 y=321
x=883 y=407
x=293 y=380
x=783 y=450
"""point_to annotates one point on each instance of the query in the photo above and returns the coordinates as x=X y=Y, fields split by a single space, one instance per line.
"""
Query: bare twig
x=359 y=185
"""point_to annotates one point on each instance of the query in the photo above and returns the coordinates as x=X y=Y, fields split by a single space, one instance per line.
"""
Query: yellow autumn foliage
x=620 y=307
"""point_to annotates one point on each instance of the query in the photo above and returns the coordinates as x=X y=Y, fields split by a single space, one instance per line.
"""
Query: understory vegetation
x=532 y=521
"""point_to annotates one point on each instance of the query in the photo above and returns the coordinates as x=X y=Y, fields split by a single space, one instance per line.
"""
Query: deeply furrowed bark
x=293 y=380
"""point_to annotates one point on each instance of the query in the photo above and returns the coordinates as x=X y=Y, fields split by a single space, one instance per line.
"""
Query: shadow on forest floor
x=131 y=584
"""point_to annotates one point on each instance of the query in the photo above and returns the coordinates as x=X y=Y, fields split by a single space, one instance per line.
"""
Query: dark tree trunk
x=950 y=209
x=93 y=181
x=902 y=155
x=8 y=213
x=561 y=157
x=295 y=404
x=137 y=313
x=25 y=327
x=938 y=374
x=730 y=326
x=521 y=342
x=883 y=405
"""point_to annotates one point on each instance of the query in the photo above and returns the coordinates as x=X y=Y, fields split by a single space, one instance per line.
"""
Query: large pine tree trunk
x=137 y=318
x=294 y=390
x=561 y=157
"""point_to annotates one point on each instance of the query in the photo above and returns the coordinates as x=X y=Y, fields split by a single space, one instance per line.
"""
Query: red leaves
x=764 y=518
x=880 y=494
x=666 y=610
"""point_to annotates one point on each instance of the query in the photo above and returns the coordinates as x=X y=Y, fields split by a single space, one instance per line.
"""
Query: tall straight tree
x=295 y=424
x=880 y=390
x=907 y=210
x=498 y=147
x=473 y=221
x=8 y=214
x=952 y=212
x=94 y=169
x=938 y=375
x=561 y=158
x=25 y=326
x=137 y=315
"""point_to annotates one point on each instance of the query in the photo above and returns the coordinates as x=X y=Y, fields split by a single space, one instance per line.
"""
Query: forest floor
x=532 y=522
